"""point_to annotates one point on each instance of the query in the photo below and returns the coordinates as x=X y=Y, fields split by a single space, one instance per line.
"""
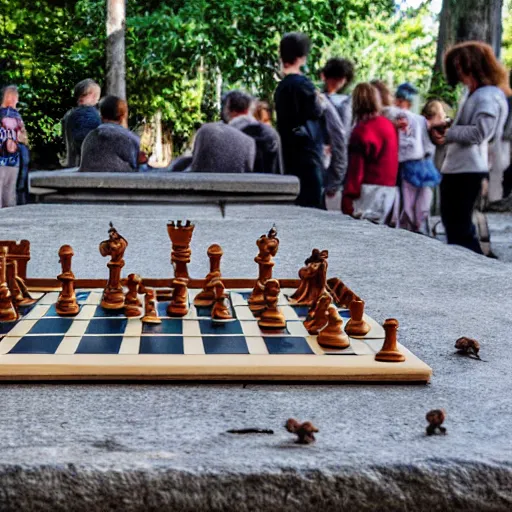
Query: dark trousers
x=459 y=193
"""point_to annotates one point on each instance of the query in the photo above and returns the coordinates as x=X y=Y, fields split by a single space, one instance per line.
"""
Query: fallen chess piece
x=468 y=347
x=435 y=419
x=305 y=431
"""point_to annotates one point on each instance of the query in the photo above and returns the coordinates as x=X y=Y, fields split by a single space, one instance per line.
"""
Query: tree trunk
x=116 y=64
x=468 y=20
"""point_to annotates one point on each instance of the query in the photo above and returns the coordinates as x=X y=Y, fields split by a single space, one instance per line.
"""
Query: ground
x=165 y=447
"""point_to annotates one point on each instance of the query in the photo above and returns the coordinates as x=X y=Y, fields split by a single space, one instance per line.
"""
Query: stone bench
x=162 y=187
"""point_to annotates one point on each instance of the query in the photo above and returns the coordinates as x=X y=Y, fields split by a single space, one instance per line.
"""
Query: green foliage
x=390 y=47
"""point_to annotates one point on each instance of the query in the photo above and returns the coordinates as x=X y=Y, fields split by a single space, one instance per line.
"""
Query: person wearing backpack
x=12 y=134
x=478 y=125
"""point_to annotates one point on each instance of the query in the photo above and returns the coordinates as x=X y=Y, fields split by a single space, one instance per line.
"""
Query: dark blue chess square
x=220 y=328
x=82 y=296
x=225 y=345
x=37 y=345
x=301 y=311
x=287 y=345
x=99 y=345
x=107 y=326
x=53 y=311
x=25 y=310
x=108 y=313
x=51 y=326
x=204 y=311
x=168 y=326
x=344 y=313
x=245 y=295
x=161 y=345
x=5 y=327
x=162 y=308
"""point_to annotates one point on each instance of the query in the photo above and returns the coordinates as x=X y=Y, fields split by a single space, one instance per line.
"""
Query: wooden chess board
x=100 y=344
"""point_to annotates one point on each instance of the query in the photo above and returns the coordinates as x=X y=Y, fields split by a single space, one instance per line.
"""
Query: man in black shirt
x=299 y=109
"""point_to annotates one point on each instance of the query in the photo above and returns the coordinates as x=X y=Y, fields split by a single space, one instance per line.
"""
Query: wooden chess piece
x=356 y=327
x=207 y=296
x=313 y=279
x=150 y=307
x=181 y=237
x=8 y=312
x=115 y=247
x=132 y=303
x=178 y=306
x=389 y=352
x=220 y=310
x=268 y=246
x=66 y=303
x=305 y=432
x=333 y=336
x=272 y=317
x=318 y=315
x=19 y=291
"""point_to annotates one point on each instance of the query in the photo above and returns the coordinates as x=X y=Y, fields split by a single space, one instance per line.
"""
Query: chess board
x=102 y=344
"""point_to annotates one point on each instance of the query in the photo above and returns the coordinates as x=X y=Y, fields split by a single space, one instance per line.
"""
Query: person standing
x=479 y=122
x=370 y=190
x=81 y=120
x=12 y=134
x=299 y=109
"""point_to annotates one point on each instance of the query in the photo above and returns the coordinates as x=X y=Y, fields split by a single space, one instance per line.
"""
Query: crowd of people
x=366 y=154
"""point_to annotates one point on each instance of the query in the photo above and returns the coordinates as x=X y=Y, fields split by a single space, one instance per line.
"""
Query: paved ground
x=164 y=447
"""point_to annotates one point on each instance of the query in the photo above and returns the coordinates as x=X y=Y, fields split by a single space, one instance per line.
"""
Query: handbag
x=421 y=173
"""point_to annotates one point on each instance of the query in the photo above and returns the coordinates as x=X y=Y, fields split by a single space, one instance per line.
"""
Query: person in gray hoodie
x=471 y=142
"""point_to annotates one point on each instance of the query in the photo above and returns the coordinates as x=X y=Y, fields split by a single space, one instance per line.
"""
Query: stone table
x=131 y=447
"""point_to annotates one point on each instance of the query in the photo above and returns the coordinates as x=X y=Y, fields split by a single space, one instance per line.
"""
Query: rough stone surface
x=250 y=183
x=164 y=447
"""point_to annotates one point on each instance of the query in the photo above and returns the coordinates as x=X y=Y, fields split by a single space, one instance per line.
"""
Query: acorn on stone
x=305 y=431
x=436 y=419
x=468 y=347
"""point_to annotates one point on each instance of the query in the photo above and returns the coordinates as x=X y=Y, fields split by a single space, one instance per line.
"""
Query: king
x=115 y=247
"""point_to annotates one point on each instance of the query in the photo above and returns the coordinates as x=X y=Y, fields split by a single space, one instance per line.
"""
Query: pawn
x=389 y=352
x=220 y=309
x=132 y=303
x=272 y=317
x=333 y=336
x=151 y=312
x=67 y=304
x=178 y=306
x=318 y=315
x=356 y=327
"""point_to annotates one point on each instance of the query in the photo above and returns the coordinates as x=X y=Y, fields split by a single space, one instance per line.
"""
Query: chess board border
x=211 y=367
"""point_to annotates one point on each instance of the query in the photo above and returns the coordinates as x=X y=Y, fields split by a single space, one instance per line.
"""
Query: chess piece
x=318 y=315
x=19 y=291
x=115 y=247
x=313 y=279
x=305 y=431
x=356 y=327
x=178 y=306
x=268 y=246
x=436 y=419
x=389 y=352
x=132 y=303
x=272 y=317
x=333 y=336
x=8 y=312
x=468 y=347
x=207 y=296
x=181 y=236
x=220 y=310
x=66 y=303
x=150 y=307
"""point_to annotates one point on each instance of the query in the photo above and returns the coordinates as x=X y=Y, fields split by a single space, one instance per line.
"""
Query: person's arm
x=128 y=149
x=482 y=130
x=311 y=101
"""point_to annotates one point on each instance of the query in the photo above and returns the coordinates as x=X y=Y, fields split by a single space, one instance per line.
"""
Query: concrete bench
x=162 y=187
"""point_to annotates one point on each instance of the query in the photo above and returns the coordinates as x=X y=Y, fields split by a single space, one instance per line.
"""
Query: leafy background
x=182 y=53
